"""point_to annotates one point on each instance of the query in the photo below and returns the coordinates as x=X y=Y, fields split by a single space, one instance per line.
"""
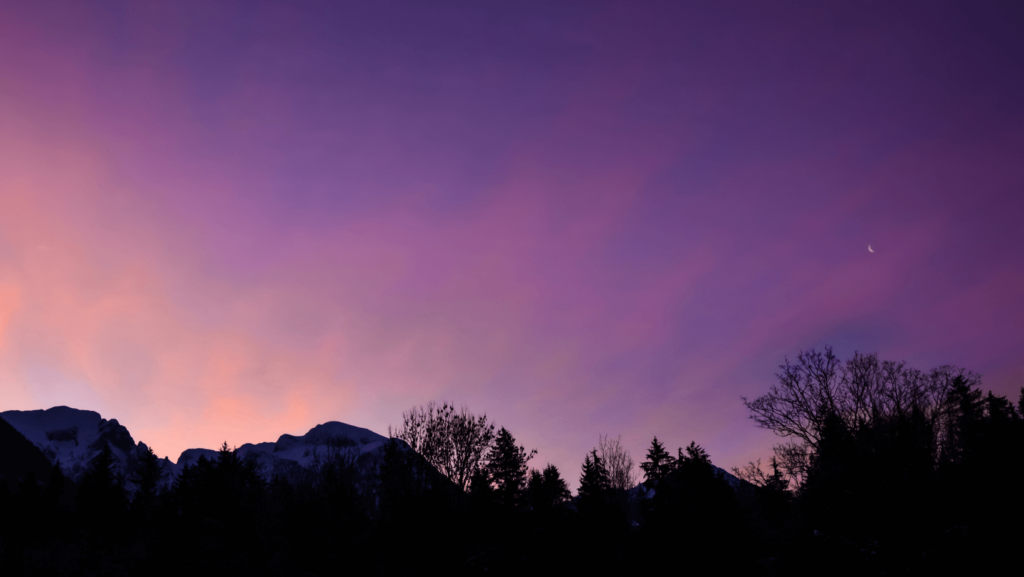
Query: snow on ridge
x=73 y=437
x=290 y=452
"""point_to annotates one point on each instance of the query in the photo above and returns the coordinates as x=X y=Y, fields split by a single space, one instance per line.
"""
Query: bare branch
x=456 y=443
x=621 y=472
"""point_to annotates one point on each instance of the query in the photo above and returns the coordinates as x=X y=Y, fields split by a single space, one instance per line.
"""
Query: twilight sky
x=228 y=221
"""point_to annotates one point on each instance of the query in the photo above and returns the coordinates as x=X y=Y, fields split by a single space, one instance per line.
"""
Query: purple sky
x=237 y=220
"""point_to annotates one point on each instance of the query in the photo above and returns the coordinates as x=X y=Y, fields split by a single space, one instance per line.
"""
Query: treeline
x=882 y=470
x=890 y=469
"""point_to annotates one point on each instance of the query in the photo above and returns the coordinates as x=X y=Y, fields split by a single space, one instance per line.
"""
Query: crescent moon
x=870 y=249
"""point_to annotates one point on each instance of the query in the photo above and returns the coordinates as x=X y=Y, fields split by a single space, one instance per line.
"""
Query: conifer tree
x=966 y=408
x=400 y=482
x=832 y=490
x=594 y=481
x=547 y=489
x=480 y=486
x=776 y=481
x=147 y=477
x=507 y=469
x=102 y=491
x=695 y=455
x=658 y=464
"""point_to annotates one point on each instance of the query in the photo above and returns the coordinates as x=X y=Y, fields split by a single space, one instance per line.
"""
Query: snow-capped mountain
x=290 y=453
x=74 y=437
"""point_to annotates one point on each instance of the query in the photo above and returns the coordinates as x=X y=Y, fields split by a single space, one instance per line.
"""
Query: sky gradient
x=228 y=221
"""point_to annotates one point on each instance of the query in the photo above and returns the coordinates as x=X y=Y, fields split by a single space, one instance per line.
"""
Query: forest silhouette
x=880 y=469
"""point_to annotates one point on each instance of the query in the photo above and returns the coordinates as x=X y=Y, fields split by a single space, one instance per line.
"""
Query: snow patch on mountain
x=74 y=437
x=290 y=454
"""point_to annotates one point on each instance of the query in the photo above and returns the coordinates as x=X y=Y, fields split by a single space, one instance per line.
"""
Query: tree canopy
x=455 y=442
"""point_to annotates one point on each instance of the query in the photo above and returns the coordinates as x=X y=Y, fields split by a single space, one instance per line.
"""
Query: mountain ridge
x=74 y=437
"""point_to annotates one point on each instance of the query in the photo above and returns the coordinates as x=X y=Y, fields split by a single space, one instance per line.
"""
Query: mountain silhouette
x=74 y=437
x=291 y=454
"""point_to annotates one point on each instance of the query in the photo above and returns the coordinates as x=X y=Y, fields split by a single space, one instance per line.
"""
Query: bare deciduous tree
x=754 y=474
x=860 y=392
x=621 y=473
x=751 y=473
x=455 y=442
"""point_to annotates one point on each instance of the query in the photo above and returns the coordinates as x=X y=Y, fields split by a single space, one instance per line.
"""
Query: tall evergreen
x=507 y=469
x=395 y=484
x=658 y=464
x=594 y=482
x=695 y=455
x=966 y=412
x=834 y=487
x=547 y=490
x=101 y=493
x=147 y=477
x=776 y=482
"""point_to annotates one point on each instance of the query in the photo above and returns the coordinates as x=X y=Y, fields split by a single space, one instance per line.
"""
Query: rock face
x=74 y=437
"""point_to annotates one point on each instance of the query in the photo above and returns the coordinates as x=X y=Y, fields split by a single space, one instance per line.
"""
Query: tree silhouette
x=546 y=489
x=506 y=469
x=403 y=481
x=147 y=477
x=754 y=474
x=695 y=456
x=101 y=492
x=621 y=474
x=339 y=506
x=658 y=465
x=454 y=442
x=862 y=393
x=594 y=483
x=963 y=429
x=694 y=509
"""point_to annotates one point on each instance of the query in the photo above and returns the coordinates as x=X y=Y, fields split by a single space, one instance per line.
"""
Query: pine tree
x=481 y=487
x=398 y=483
x=834 y=485
x=594 y=481
x=962 y=431
x=102 y=493
x=507 y=469
x=695 y=455
x=658 y=464
x=547 y=490
x=776 y=482
x=147 y=477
